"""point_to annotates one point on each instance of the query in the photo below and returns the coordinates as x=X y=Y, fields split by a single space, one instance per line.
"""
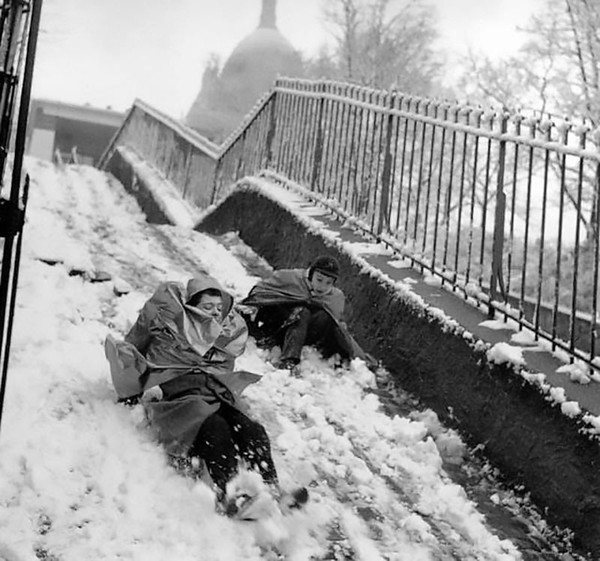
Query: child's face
x=322 y=284
x=212 y=305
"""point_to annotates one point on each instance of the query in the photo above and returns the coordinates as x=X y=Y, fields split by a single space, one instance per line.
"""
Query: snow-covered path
x=82 y=478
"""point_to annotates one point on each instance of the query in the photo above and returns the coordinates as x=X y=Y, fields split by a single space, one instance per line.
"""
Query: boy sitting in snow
x=298 y=307
x=186 y=340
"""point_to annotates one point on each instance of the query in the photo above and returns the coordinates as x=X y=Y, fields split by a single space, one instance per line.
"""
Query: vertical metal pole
x=361 y=152
x=295 y=104
x=429 y=179
x=348 y=145
x=339 y=142
x=426 y=104
x=410 y=172
x=386 y=172
x=366 y=194
x=382 y=100
x=489 y=118
x=439 y=189
x=338 y=145
x=318 y=149
x=499 y=217
x=271 y=130
x=477 y=117
x=461 y=192
x=530 y=154
x=580 y=172
x=353 y=142
x=5 y=280
x=331 y=109
x=547 y=127
x=240 y=167
x=448 y=200
x=301 y=128
x=328 y=144
x=404 y=103
x=394 y=133
x=312 y=124
x=216 y=178
x=561 y=206
x=513 y=204
x=596 y=246
x=8 y=72
x=286 y=100
x=186 y=171
x=309 y=140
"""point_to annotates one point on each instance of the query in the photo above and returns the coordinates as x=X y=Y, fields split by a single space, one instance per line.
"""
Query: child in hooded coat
x=186 y=340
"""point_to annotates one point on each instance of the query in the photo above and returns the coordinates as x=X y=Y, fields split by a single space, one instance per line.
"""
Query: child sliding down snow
x=297 y=307
x=185 y=341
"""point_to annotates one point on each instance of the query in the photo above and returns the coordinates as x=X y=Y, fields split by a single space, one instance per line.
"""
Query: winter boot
x=292 y=364
x=248 y=498
x=293 y=500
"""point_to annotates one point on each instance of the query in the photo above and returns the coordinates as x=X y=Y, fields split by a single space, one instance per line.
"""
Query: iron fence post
x=216 y=179
x=596 y=248
x=271 y=130
x=496 y=278
x=319 y=138
x=241 y=163
x=11 y=260
x=186 y=172
x=386 y=171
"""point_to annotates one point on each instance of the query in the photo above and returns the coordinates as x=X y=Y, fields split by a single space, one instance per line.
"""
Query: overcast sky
x=108 y=52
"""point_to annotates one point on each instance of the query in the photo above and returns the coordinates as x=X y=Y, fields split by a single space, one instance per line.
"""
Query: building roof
x=83 y=113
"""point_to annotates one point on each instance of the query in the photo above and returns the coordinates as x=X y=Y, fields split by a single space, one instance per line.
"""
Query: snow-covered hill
x=80 y=475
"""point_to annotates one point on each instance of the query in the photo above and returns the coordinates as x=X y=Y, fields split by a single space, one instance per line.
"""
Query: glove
x=152 y=394
x=293 y=317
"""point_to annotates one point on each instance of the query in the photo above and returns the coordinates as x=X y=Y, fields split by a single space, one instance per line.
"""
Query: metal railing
x=465 y=194
x=19 y=26
x=503 y=208
x=185 y=158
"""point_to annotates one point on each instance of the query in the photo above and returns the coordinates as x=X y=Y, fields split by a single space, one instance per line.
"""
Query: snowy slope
x=81 y=477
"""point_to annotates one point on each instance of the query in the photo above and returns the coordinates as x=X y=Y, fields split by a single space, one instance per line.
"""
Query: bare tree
x=347 y=20
x=555 y=75
x=383 y=44
x=556 y=71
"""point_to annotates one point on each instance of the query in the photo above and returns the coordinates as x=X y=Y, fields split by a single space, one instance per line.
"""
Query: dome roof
x=263 y=47
x=248 y=73
x=255 y=63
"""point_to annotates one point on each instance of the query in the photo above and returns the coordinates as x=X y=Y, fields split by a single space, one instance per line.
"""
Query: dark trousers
x=292 y=327
x=228 y=436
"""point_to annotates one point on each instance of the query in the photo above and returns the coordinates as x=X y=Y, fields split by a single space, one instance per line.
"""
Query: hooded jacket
x=185 y=351
x=171 y=338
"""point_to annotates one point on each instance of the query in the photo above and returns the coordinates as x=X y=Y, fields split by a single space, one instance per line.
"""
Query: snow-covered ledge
x=520 y=421
x=160 y=200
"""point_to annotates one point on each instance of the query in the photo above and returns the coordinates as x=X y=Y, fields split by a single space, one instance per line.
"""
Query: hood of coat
x=201 y=283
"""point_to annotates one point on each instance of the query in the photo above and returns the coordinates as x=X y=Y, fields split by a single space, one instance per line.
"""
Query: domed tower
x=247 y=74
